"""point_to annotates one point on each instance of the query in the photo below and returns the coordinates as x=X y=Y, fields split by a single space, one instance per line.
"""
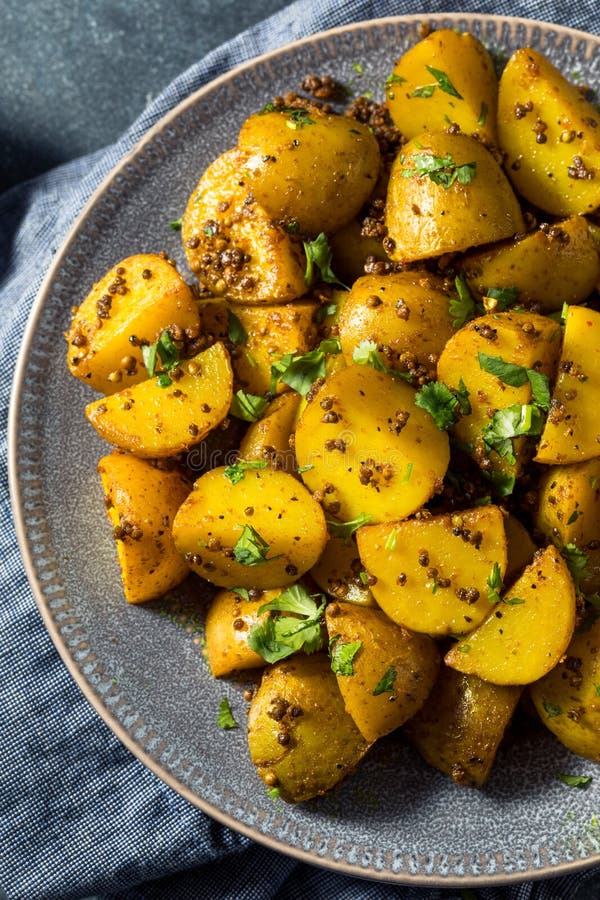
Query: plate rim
x=17 y=506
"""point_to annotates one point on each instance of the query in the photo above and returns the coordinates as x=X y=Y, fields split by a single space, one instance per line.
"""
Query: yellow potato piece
x=154 y=421
x=338 y=572
x=568 y=700
x=392 y=671
x=553 y=265
x=568 y=512
x=432 y=573
x=420 y=99
x=229 y=619
x=459 y=728
x=141 y=502
x=131 y=305
x=274 y=505
x=231 y=242
x=520 y=642
x=519 y=547
x=572 y=431
x=425 y=218
x=301 y=739
x=269 y=438
x=350 y=251
x=550 y=136
x=406 y=314
x=524 y=339
x=363 y=421
x=309 y=168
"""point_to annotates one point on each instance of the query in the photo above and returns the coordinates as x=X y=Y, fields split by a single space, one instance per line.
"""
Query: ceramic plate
x=142 y=668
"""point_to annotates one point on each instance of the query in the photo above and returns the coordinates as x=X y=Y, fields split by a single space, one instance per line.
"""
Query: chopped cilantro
x=358 y=68
x=516 y=376
x=463 y=308
x=407 y=472
x=504 y=297
x=573 y=517
x=209 y=231
x=302 y=469
x=519 y=420
x=176 y=224
x=346 y=529
x=300 y=371
x=318 y=262
x=463 y=648
x=241 y=592
x=273 y=793
x=444 y=82
x=385 y=685
x=251 y=549
x=392 y=540
x=441 y=170
x=503 y=482
x=441 y=403
x=292 y=227
x=364 y=577
x=494 y=583
x=297 y=118
x=395 y=79
x=248 y=407
x=424 y=91
x=163 y=349
x=483 y=114
x=236 y=331
x=225 y=718
x=279 y=637
x=577 y=562
x=578 y=781
x=367 y=354
x=342 y=657
x=551 y=709
x=237 y=472
x=328 y=309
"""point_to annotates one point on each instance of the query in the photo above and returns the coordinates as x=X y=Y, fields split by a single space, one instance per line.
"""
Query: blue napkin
x=79 y=815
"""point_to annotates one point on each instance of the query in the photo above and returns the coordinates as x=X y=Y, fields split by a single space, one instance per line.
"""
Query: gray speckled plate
x=142 y=667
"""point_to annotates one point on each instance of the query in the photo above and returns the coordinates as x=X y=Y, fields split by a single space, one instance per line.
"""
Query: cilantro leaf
x=503 y=482
x=251 y=549
x=462 y=395
x=225 y=718
x=577 y=562
x=318 y=260
x=395 y=79
x=165 y=350
x=367 y=354
x=424 y=91
x=241 y=592
x=508 y=373
x=176 y=224
x=483 y=114
x=392 y=540
x=248 y=407
x=273 y=793
x=504 y=297
x=444 y=82
x=300 y=371
x=578 y=781
x=441 y=170
x=440 y=402
x=463 y=308
x=277 y=638
x=551 y=709
x=385 y=684
x=342 y=657
x=236 y=331
x=519 y=420
x=494 y=583
x=540 y=389
x=237 y=472
x=346 y=529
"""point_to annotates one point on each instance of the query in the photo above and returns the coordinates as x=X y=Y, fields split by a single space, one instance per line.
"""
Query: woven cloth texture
x=79 y=815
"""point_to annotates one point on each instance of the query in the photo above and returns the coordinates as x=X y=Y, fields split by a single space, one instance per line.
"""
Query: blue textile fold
x=79 y=815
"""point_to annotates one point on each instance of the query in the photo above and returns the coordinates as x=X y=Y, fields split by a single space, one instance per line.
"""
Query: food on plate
x=396 y=357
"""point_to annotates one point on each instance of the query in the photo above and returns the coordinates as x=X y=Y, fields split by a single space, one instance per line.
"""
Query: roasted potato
x=141 y=502
x=338 y=572
x=301 y=739
x=351 y=249
x=269 y=438
x=228 y=620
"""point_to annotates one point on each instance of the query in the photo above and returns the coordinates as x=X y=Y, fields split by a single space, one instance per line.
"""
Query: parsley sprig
x=280 y=636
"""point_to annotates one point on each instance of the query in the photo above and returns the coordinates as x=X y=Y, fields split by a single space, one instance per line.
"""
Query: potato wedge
x=141 y=502
x=527 y=340
x=364 y=436
x=553 y=265
x=269 y=438
x=446 y=194
x=549 y=133
x=519 y=547
x=153 y=421
x=447 y=77
x=568 y=700
x=350 y=252
x=228 y=620
x=309 y=168
x=338 y=572
x=263 y=531
x=572 y=433
x=406 y=314
x=568 y=512
x=231 y=242
x=431 y=574
x=519 y=643
x=459 y=728
x=131 y=305
x=301 y=739
x=391 y=673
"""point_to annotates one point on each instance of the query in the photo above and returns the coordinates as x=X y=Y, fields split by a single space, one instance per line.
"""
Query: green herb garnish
x=578 y=781
x=444 y=82
x=318 y=262
x=345 y=530
x=176 y=224
x=441 y=170
x=516 y=376
x=385 y=685
x=225 y=718
x=248 y=407
x=236 y=331
x=241 y=592
x=519 y=420
x=163 y=349
x=342 y=657
x=463 y=308
x=483 y=114
x=504 y=297
x=300 y=371
x=237 y=472
x=441 y=403
x=577 y=562
x=251 y=549
x=494 y=583
x=551 y=709
x=392 y=540
x=367 y=354
x=280 y=636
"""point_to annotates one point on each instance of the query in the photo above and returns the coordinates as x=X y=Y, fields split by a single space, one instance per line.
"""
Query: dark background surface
x=74 y=75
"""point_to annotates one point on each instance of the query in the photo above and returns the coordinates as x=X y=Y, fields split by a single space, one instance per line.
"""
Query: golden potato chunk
x=568 y=699
x=572 y=431
x=301 y=739
x=263 y=530
x=338 y=572
x=431 y=574
x=371 y=449
x=446 y=194
x=229 y=619
x=350 y=250
x=406 y=314
x=141 y=502
x=269 y=438
x=447 y=77
x=130 y=306
x=549 y=133
x=519 y=547
x=231 y=242
x=527 y=633
x=154 y=421
x=377 y=662
x=459 y=728
x=309 y=168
